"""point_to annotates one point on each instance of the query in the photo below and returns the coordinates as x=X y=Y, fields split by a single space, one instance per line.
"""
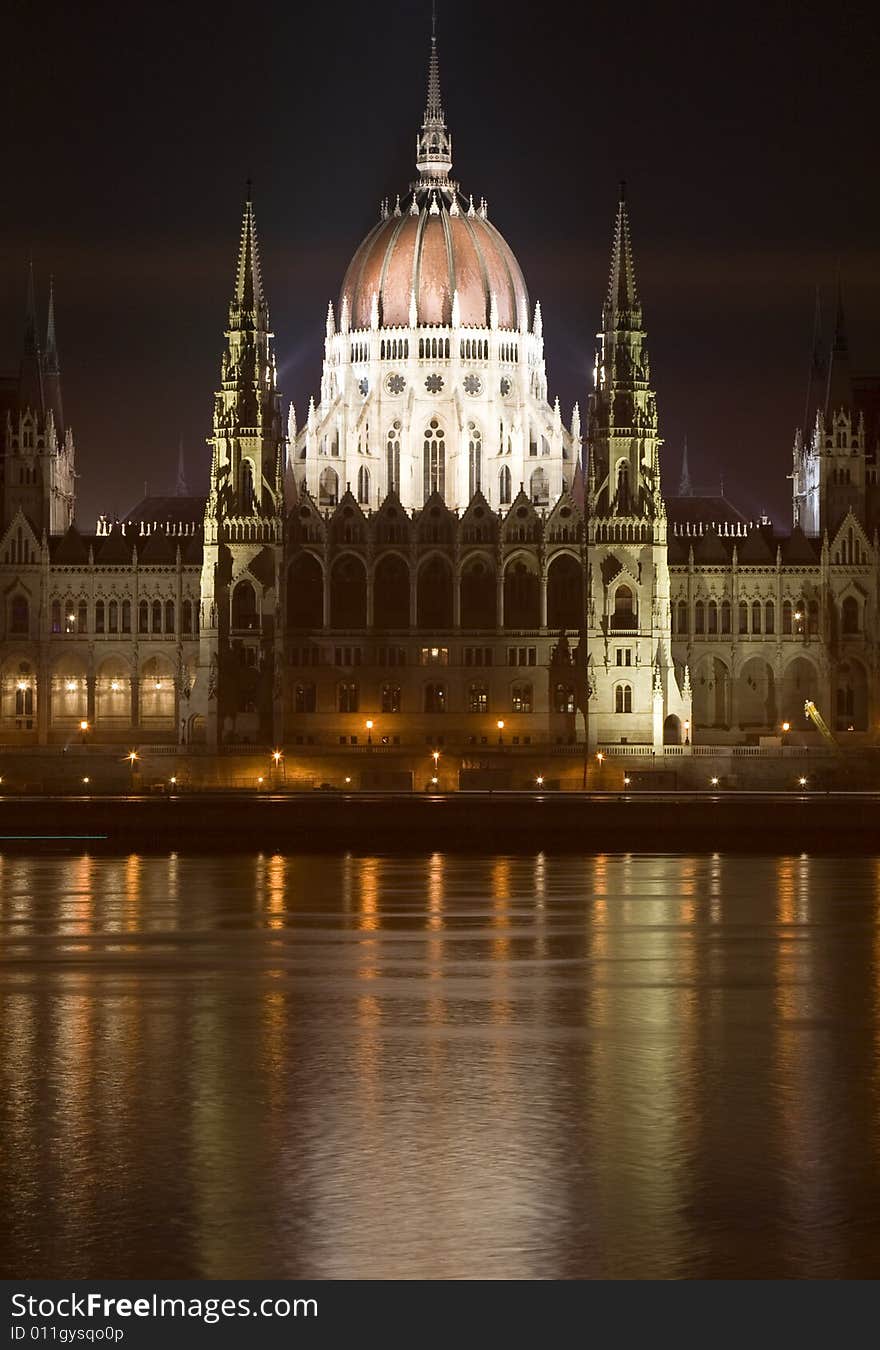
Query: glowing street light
x=626 y=781
x=540 y=780
x=260 y=781
x=348 y=780
x=500 y=726
x=803 y=782
x=115 y=686
x=276 y=755
x=70 y=686
x=435 y=755
x=369 y=731
x=714 y=782
x=85 y=780
x=599 y=756
x=687 y=732
x=435 y=780
x=786 y=726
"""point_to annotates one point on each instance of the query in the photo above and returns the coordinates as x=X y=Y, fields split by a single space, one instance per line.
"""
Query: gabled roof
x=758 y=547
x=114 y=549
x=70 y=549
x=157 y=547
x=712 y=548
x=797 y=548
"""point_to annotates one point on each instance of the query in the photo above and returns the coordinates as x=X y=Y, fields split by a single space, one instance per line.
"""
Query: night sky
x=746 y=133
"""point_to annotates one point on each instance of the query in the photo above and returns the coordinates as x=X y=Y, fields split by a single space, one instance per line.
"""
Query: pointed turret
x=622 y=308
x=817 y=378
x=434 y=143
x=52 y=366
x=181 y=489
x=839 y=391
x=248 y=307
x=685 y=488
x=30 y=388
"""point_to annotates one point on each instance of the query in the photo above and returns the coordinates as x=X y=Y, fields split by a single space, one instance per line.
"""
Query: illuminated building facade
x=434 y=550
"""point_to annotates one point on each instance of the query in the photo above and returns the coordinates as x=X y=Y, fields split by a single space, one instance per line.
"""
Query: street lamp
x=540 y=780
x=714 y=782
x=803 y=782
x=85 y=780
x=599 y=756
x=625 y=781
x=369 y=731
x=84 y=726
x=435 y=780
x=348 y=780
x=687 y=732
x=435 y=755
x=500 y=726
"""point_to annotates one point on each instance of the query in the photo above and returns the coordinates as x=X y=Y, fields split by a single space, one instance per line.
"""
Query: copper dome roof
x=442 y=246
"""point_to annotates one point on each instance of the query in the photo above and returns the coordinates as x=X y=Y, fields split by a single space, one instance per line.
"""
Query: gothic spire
x=181 y=490
x=622 y=300
x=248 y=306
x=816 y=380
x=31 y=376
x=434 y=143
x=839 y=392
x=684 y=487
x=51 y=366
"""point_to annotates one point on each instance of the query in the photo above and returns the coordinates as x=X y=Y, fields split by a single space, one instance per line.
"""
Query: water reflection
x=370 y=1066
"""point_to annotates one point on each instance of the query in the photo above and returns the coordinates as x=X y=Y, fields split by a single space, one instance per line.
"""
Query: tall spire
x=434 y=143
x=31 y=376
x=248 y=306
x=52 y=366
x=622 y=300
x=839 y=392
x=181 y=490
x=684 y=487
x=817 y=378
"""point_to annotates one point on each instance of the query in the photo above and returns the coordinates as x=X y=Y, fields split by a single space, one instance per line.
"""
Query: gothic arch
x=711 y=692
x=478 y=592
x=348 y=592
x=434 y=586
x=756 y=696
x=800 y=681
x=391 y=591
x=305 y=592
x=522 y=602
x=565 y=592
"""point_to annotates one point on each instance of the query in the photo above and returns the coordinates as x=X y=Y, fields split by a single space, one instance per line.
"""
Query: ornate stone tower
x=633 y=690
x=239 y=685
x=39 y=478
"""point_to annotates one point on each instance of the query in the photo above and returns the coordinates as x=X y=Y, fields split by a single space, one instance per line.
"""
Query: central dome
x=434 y=246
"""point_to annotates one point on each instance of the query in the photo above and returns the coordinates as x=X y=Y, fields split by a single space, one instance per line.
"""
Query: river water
x=439 y=1066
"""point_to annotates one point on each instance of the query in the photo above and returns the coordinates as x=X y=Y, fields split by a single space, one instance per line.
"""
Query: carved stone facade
x=434 y=559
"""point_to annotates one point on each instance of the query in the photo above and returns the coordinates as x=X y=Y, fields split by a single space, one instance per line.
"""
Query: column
x=44 y=703
x=135 y=702
x=542 y=575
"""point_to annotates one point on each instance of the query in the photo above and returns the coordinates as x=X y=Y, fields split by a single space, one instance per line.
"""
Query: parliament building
x=435 y=559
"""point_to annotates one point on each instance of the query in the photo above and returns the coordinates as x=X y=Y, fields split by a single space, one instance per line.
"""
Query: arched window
x=304 y=698
x=82 y=617
x=247 y=487
x=126 y=616
x=19 y=616
x=682 y=625
x=157 y=616
x=563 y=699
x=756 y=616
x=113 y=617
x=347 y=698
x=786 y=617
x=244 y=606
x=475 y=458
x=539 y=487
x=743 y=617
x=504 y=486
x=392 y=458
x=699 y=617
x=56 y=616
x=391 y=698
x=364 y=485
x=478 y=698
x=521 y=698
x=169 y=616
x=99 y=616
x=623 y=487
x=328 y=487
x=434 y=459
x=850 y=615
x=186 y=617
x=712 y=617
x=624 y=609
x=769 y=617
x=435 y=698
x=623 y=698
x=143 y=617
x=725 y=616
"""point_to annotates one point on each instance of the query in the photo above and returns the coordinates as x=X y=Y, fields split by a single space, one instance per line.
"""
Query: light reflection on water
x=388 y=1067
